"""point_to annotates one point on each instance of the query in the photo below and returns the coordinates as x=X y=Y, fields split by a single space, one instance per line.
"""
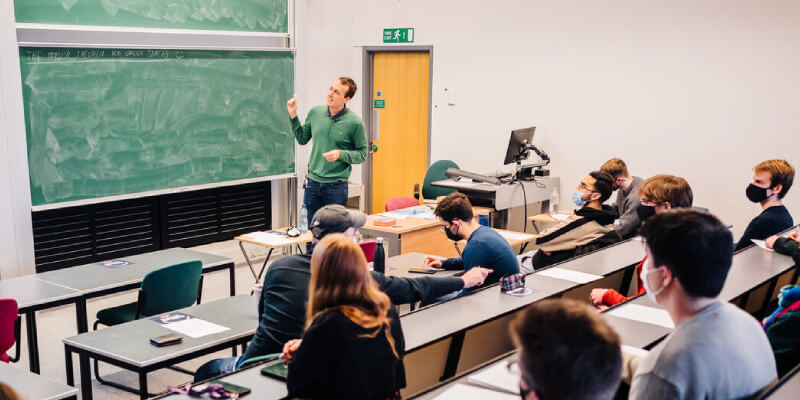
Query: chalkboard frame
x=84 y=36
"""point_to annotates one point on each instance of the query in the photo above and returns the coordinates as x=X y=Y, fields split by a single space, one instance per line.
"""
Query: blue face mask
x=577 y=198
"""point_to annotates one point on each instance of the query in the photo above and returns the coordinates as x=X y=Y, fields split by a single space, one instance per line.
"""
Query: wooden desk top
x=548 y=217
x=406 y=225
x=284 y=241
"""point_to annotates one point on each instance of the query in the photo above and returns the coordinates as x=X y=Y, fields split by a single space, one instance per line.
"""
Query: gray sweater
x=627 y=202
x=719 y=353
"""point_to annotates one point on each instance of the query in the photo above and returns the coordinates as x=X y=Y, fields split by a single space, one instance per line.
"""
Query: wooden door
x=400 y=128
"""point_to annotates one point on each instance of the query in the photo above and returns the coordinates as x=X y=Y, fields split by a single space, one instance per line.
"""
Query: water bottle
x=379 y=258
x=554 y=196
x=303 y=223
x=483 y=218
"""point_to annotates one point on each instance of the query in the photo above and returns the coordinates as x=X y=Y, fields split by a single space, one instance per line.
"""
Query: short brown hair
x=567 y=351
x=351 y=86
x=7 y=393
x=615 y=167
x=454 y=205
x=781 y=173
x=667 y=188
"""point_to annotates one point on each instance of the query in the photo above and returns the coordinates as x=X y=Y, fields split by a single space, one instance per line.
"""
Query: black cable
x=524 y=221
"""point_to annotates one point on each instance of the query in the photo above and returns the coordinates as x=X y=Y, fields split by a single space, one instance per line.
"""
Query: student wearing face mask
x=485 y=247
x=716 y=351
x=771 y=181
x=591 y=221
x=658 y=194
x=576 y=357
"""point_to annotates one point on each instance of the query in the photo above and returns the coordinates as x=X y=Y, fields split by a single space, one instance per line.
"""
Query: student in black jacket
x=282 y=307
x=354 y=345
x=771 y=181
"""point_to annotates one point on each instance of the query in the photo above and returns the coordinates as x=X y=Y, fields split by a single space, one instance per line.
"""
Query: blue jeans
x=214 y=368
x=319 y=194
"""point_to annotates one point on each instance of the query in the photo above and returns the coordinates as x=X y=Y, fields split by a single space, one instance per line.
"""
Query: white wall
x=16 y=235
x=703 y=90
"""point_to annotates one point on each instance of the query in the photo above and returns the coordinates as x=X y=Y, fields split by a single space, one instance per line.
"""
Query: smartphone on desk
x=421 y=270
x=278 y=370
x=231 y=388
x=166 y=340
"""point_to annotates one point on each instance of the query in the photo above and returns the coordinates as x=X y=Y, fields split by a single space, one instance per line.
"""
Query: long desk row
x=750 y=269
x=434 y=328
x=77 y=284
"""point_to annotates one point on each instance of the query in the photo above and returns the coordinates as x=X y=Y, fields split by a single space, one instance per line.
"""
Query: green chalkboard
x=104 y=122
x=239 y=15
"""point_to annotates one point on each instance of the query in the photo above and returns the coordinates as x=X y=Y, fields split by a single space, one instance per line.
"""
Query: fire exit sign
x=398 y=35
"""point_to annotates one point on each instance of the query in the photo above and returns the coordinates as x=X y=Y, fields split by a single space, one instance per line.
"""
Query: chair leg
x=200 y=289
x=17 y=336
x=110 y=383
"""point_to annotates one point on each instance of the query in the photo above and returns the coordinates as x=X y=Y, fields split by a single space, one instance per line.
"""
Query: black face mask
x=644 y=212
x=756 y=194
x=450 y=235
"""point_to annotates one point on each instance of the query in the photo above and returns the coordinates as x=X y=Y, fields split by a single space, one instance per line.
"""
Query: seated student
x=627 y=188
x=771 y=181
x=281 y=308
x=485 y=247
x=658 y=194
x=353 y=347
x=716 y=351
x=783 y=325
x=577 y=356
x=592 y=221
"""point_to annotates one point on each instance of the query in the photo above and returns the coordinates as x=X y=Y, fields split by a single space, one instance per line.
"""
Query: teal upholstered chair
x=163 y=290
x=435 y=173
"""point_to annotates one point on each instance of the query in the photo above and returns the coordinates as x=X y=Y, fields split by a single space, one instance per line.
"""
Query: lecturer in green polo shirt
x=339 y=142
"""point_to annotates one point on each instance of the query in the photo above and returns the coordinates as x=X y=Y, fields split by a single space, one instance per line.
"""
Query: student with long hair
x=353 y=345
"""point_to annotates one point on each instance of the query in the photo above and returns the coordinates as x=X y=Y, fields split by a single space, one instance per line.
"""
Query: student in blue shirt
x=485 y=247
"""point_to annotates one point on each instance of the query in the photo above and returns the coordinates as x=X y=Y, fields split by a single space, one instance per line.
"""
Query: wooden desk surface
x=548 y=217
x=409 y=224
x=290 y=241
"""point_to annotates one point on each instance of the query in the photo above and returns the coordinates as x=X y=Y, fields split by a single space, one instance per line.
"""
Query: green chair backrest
x=170 y=288
x=436 y=173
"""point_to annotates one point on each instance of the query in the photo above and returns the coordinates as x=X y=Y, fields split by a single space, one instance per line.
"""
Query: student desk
x=128 y=345
x=411 y=235
x=787 y=388
x=77 y=284
x=32 y=295
x=287 y=242
x=33 y=387
x=261 y=387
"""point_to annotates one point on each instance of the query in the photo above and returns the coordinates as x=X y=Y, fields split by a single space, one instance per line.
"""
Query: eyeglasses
x=585 y=187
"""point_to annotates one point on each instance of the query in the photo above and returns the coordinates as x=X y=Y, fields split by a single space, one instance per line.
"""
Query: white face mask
x=651 y=294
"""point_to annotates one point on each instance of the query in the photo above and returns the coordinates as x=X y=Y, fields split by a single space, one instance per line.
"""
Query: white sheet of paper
x=274 y=239
x=568 y=275
x=497 y=377
x=761 y=243
x=634 y=351
x=397 y=216
x=650 y=315
x=461 y=391
x=559 y=216
x=195 y=327
x=515 y=235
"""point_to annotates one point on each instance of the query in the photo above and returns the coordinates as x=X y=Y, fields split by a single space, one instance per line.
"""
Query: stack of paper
x=568 y=275
x=270 y=238
x=650 y=315
x=497 y=377
x=515 y=235
x=461 y=391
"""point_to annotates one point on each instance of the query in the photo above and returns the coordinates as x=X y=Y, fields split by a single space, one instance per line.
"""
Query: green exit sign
x=398 y=35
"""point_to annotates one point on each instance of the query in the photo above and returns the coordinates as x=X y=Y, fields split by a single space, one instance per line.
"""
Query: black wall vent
x=78 y=235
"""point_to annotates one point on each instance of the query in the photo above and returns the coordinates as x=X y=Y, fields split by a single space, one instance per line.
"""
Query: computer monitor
x=517 y=150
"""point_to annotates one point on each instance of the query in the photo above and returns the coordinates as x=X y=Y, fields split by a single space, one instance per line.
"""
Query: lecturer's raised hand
x=291 y=107
x=332 y=155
